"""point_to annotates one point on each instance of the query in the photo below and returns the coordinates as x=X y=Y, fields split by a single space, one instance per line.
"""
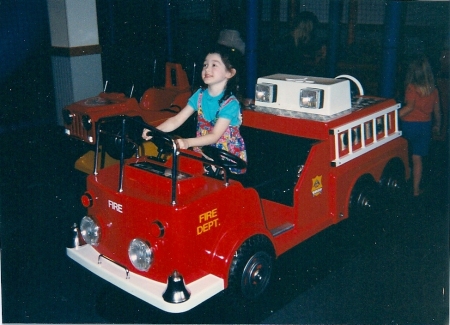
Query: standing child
x=422 y=100
x=219 y=112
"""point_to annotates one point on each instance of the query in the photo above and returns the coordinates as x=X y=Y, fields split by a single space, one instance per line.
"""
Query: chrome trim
x=175 y=154
x=127 y=272
x=75 y=236
x=122 y=157
x=281 y=229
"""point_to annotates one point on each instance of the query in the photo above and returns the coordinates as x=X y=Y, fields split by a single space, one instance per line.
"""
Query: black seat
x=273 y=162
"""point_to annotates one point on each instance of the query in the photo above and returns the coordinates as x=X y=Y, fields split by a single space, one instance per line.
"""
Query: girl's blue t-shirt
x=210 y=106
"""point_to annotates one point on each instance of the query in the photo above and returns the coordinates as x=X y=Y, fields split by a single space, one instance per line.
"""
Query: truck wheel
x=251 y=268
x=393 y=182
x=364 y=198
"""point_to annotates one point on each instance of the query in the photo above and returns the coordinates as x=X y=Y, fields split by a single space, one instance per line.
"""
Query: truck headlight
x=90 y=230
x=67 y=116
x=140 y=254
x=311 y=98
x=266 y=92
x=87 y=122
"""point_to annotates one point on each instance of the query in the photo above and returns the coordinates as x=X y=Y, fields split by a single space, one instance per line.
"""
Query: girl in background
x=422 y=101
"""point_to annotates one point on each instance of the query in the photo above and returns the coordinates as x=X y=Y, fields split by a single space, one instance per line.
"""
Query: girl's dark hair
x=232 y=59
x=307 y=23
x=304 y=16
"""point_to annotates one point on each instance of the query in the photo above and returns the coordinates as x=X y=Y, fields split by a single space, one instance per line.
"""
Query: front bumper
x=148 y=290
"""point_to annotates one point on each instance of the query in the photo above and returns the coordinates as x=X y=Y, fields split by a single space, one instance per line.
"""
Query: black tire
x=251 y=268
x=364 y=199
x=393 y=182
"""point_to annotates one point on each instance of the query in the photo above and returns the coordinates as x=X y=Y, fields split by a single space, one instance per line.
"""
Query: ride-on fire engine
x=157 y=104
x=174 y=235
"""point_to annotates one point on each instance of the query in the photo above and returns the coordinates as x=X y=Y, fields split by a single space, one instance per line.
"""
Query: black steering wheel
x=162 y=140
x=224 y=158
x=164 y=145
x=130 y=139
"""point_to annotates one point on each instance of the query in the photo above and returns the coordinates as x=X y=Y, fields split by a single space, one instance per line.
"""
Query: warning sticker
x=316 y=185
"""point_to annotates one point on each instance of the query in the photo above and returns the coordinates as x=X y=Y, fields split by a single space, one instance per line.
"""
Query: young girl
x=422 y=99
x=219 y=113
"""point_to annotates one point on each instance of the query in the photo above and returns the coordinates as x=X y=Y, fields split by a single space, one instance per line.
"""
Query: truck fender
x=229 y=244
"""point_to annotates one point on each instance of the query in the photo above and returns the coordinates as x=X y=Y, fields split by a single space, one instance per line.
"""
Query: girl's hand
x=145 y=136
x=436 y=130
x=182 y=143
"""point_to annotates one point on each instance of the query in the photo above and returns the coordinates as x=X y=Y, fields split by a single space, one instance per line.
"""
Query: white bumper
x=148 y=290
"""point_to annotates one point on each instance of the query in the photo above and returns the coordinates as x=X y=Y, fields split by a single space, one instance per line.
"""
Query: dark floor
x=396 y=273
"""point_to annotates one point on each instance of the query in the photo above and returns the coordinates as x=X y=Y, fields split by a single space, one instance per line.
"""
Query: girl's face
x=215 y=72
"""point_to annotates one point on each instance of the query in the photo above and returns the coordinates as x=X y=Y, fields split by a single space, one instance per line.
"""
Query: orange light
x=157 y=229
x=86 y=200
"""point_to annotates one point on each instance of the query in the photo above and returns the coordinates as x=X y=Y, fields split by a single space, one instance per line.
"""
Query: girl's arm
x=405 y=110
x=173 y=122
x=410 y=96
x=210 y=138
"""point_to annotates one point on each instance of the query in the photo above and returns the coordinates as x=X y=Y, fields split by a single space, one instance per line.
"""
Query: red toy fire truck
x=156 y=105
x=173 y=235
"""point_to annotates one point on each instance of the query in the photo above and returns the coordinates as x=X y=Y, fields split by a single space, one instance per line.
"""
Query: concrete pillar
x=76 y=53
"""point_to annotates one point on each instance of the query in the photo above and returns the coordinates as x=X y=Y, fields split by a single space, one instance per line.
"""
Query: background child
x=301 y=51
x=219 y=112
x=422 y=100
